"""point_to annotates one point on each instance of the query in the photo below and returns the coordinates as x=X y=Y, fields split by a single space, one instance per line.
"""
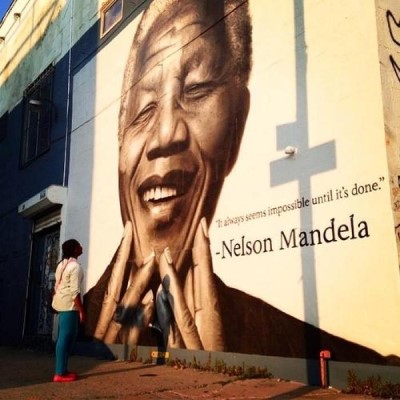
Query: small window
x=111 y=14
x=3 y=126
x=39 y=113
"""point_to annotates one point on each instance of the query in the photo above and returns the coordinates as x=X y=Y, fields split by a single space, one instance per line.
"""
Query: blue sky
x=4 y=4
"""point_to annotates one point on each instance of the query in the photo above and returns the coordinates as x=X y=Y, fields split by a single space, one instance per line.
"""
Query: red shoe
x=69 y=373
x=64 y=378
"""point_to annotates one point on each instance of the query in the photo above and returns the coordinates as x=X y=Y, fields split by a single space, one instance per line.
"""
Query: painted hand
x=196 y=312
x=125 y=317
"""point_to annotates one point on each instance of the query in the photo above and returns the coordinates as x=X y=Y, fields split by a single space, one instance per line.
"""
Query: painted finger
x=134 y=293
x=112 y=332
x=175 y=340
x=207 y=309
x=188 y=290
x=127 y=312
x=176 y=299
x=144 y=314
x=113 y=293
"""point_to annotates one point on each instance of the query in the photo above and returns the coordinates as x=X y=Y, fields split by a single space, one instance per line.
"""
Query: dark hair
x=69 y=247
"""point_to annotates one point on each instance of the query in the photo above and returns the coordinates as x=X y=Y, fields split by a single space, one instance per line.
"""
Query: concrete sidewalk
x=27 y=375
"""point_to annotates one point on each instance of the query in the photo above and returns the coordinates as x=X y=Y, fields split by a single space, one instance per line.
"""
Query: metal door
x=45 y=255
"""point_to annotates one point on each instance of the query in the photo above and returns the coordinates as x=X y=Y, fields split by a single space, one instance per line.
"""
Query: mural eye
x=145 y=114
x=198 y=91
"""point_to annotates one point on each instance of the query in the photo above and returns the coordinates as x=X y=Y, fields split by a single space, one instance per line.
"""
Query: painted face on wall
x=184 y=118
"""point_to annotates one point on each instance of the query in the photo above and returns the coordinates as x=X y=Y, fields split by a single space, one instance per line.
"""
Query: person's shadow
x=163 y=319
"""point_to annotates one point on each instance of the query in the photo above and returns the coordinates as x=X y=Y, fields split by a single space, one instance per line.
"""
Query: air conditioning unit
x=45 y=199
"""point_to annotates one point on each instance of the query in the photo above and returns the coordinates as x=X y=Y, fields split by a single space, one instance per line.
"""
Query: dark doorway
x=45 y=255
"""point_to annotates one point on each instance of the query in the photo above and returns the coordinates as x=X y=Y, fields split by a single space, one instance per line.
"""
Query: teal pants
x=68 y=324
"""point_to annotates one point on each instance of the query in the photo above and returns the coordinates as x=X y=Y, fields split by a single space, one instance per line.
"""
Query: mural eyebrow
x=192 y=62
x=154 y=54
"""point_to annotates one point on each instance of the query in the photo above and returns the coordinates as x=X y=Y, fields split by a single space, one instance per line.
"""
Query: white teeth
x=159 y=193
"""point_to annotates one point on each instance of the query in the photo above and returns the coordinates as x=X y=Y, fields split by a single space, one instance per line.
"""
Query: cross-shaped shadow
x=308 y=162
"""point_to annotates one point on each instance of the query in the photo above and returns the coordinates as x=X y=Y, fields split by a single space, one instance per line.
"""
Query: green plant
x=372 y=386
x=220 y=367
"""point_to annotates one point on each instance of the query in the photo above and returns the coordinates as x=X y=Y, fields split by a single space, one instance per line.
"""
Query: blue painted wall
x=18 y=184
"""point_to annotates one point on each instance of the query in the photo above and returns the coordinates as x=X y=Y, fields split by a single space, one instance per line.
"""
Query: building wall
x=322 y=81
x=40 y=36
x=66 y=35
x=387 y=17
x=316 y=84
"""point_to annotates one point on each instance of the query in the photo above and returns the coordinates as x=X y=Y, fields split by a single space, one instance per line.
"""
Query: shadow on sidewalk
x=84 y=375
x=296 y=393
x=23 y=366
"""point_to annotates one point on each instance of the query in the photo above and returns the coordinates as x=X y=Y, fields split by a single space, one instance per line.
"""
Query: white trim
x=47 y=198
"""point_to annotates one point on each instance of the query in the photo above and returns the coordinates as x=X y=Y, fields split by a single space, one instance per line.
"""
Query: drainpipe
x=68 y=93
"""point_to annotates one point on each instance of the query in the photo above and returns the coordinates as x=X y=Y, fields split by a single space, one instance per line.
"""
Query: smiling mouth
x=174 y=184
x=159 y=193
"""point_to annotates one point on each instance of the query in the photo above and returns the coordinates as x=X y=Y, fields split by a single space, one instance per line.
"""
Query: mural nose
x=171 y=137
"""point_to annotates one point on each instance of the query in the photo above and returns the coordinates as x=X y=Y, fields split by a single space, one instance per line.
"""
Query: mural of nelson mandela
x=183 y=112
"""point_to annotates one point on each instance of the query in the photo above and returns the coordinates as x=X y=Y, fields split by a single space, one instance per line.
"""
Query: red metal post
x=323 y=356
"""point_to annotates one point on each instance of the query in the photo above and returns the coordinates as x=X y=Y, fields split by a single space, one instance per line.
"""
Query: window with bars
x=38 y=117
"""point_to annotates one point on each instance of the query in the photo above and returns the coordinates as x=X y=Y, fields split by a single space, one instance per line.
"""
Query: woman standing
x=67 y=301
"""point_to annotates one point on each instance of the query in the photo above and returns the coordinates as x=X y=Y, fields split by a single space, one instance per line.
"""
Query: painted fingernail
x=203 y=223
x=148 y=297
x=167 y=255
